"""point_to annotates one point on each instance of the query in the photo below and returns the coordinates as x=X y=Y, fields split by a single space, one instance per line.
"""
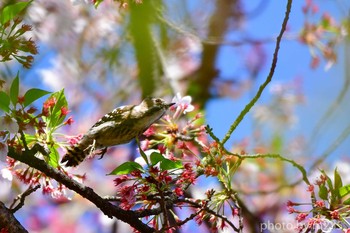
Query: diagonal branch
x=268 y=79
x=88 y=193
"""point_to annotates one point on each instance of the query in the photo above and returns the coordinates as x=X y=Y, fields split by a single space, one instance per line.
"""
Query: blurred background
x=218 y=52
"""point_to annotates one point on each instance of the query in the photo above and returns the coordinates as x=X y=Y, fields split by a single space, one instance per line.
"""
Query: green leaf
x=30 y=138
x=165 y=164
x=168 y=164
x=346 y=202
x=53 y=157
x=4 y=102
x=156 y=157
x=61 y=101
x=33 y=94
x=126 y=168
x=345 y=190
x=323 y=192
x=14 y=90
x=11 y=11
x=337 y=180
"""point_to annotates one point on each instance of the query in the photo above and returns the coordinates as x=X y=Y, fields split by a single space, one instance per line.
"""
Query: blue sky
x=319 y=86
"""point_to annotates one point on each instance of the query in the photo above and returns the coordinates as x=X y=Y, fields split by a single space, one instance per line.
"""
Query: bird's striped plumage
x=117 y=127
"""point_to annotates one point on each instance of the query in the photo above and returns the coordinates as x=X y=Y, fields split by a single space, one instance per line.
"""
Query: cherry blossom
x=182 y=104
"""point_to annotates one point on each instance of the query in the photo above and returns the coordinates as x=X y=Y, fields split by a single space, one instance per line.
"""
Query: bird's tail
x=74 y=156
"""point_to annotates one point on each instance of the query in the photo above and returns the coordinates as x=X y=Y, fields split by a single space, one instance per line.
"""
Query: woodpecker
x=117 y=127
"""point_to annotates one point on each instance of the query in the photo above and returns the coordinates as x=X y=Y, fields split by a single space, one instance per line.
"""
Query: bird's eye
x=158 y=101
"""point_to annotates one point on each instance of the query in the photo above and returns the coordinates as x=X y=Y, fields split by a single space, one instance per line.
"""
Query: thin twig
x=210 y=211
x=277 y=156
x=267 y=81
x=22 y=197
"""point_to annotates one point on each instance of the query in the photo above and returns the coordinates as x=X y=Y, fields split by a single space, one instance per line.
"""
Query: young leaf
x=53 y=157
x=30 y=138
x=337 y=180
x=155 y=158
x=345 y=190
x=346 y=202
x=323 y=192
x=126 y=168
x=11 y=11
x=168 y=164
x=61 y=101
x=14 y=90
x=33 y=94
x=4 y=102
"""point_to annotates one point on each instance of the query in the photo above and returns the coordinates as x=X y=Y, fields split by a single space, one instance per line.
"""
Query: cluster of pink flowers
x=26 y=127
x=321 y=37
x=329 y=212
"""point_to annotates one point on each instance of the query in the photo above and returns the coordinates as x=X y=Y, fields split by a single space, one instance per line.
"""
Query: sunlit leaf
x=168 y=164
x=126 y=168
x=156 y=157
x=56 y=118
x=346 y=202
x=33 y=94
x=11 y=11
x=323 y=192
x=53 y=157
x=337 y=180
x=345 y=190
x=4 y=102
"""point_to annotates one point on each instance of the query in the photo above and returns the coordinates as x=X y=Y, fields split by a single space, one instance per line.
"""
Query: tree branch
x=9 y=222
x=22 y=197
x=88 y=193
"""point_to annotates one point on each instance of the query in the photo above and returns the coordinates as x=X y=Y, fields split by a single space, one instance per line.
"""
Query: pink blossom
x=119 y=180
x=301 y=217
x=64 y=111
x=182 y=104
x=319 y=204
x=178 y=191
x=150 y=131
x=310 y=188
x=69 y=121
x=335 y=214
x=290 y=209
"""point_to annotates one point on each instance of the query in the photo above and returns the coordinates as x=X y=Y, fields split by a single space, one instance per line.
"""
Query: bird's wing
x=116 y=116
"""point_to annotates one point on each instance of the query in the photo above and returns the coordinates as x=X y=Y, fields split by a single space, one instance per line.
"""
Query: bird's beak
x=169 y=105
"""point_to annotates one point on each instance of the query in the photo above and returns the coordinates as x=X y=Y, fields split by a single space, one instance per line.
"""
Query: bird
x=117 y=127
